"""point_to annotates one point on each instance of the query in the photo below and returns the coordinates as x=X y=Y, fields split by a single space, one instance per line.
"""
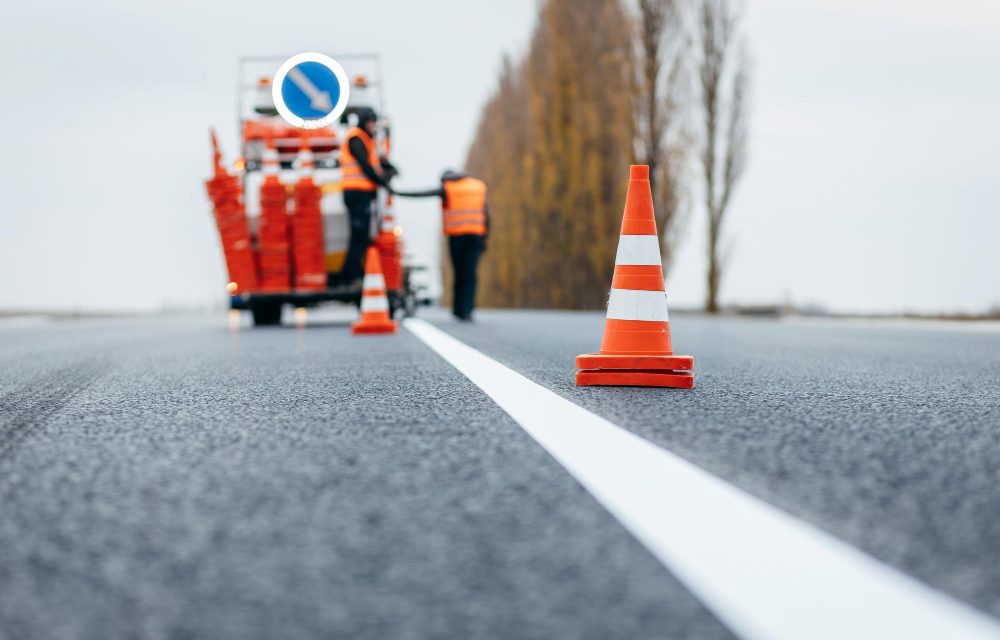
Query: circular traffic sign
x=310 y=90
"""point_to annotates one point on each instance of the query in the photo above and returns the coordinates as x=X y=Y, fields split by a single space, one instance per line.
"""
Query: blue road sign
x=310 y=90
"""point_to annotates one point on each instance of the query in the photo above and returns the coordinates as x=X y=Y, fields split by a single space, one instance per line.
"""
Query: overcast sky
x=873 y=184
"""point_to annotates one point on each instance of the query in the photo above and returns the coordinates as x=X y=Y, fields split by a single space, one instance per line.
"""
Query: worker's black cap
x=366 y=114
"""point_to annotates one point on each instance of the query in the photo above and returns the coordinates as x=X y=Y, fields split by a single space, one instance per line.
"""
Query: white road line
x=764 y=573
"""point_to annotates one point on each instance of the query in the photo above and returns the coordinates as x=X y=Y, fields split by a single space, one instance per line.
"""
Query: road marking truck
x=266 y=241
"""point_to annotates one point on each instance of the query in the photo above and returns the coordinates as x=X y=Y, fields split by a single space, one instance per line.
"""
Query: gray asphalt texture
x=888 y=438
x=170 y=478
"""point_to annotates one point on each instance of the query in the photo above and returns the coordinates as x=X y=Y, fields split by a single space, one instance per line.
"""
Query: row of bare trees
x=603 y=86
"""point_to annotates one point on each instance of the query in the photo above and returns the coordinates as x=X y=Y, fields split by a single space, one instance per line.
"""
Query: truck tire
x=408 y=301
x=266 y=314
x=410 y=304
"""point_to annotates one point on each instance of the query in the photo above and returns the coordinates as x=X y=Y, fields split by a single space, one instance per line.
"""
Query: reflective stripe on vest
x=464 y=210
x=352 y=177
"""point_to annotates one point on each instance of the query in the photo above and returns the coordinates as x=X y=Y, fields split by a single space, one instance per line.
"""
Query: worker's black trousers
x=359 y=213
x=465 y=252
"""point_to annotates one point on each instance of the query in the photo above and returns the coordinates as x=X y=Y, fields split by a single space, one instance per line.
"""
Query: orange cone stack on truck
x=226 y=193
x=273 y=234
x=307 y=228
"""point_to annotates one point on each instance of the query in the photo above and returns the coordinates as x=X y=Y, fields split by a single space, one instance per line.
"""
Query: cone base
x=634 y=362
x=635 y=378
x=371 y=328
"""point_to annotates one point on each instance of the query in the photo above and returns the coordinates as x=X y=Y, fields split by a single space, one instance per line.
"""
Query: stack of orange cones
x=636 y=350
x=272 y=234
x=390 y=247
x=226 y=194
x=374 y=303
x=307 y=227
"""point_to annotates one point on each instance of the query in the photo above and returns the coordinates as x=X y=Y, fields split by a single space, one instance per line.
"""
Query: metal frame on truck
x=259 y=125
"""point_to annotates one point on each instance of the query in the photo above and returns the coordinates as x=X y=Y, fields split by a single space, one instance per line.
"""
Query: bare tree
x=724 y=83
x=551 y=144
x=663 y=142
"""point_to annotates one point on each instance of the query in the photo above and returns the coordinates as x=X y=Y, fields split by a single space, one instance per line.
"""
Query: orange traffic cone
x=226 y=193
x=636 y=350
x=390 y=246
x=374 y=303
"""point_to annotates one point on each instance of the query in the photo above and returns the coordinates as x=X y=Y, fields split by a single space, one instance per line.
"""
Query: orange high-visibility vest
x=464 y=207
x=352 y=178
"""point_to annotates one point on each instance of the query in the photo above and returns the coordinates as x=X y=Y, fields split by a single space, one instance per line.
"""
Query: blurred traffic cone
x=636 y=350
x=226 y=194
x=220 y=169
x=307 y=227
x=272 y=232
x=374 y=303
x=390 y=246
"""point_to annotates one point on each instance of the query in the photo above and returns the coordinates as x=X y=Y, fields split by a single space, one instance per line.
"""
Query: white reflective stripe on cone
x=373 y=281
x=638 y=250
x=630 y=304
x=374 y=303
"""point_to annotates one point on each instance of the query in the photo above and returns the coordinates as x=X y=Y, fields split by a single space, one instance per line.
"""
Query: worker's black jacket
x=360 y=153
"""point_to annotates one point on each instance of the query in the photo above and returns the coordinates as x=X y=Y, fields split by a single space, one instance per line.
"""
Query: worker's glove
x=389 y=170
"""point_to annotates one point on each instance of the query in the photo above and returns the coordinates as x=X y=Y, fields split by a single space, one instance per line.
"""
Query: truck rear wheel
x=410 y=305
x=266 y=314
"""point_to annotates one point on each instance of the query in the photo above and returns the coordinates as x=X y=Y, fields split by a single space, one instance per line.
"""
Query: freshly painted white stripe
x=374 y=303
x=638 y=250
x=764 y=573
x=373 y=281
x=632 y=304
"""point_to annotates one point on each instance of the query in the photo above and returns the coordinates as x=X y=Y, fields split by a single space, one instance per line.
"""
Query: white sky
x=874 y=179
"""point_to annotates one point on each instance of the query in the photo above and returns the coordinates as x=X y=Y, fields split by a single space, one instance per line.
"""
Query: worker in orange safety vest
x=362 y=173
x=466 y=222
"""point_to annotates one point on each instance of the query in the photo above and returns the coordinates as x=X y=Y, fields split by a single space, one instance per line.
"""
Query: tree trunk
x=714 y=273
x=723 y=152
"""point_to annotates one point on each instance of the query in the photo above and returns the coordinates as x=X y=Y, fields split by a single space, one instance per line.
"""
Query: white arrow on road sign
x=319 y=100
x=319 y=92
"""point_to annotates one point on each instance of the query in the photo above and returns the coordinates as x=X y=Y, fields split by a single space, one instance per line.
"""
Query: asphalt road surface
x=178 y=478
